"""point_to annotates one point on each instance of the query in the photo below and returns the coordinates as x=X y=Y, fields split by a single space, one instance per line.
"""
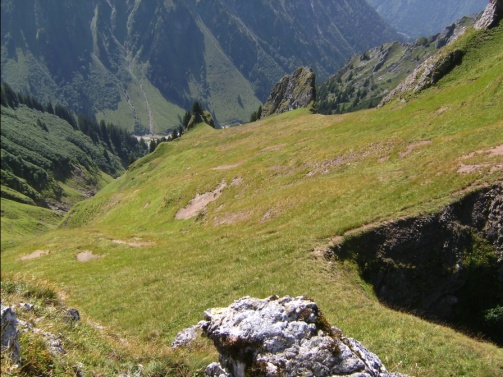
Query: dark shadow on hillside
x=446 y=267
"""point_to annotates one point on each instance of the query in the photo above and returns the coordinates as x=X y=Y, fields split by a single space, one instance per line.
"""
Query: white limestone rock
x=283 y=337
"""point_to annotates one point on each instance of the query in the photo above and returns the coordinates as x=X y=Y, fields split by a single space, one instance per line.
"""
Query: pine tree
x=11 y=97
x=152 y=146
x=197 y=108
x=186 y=119
x=3 y=99
x=48 y=108
x=198 y=112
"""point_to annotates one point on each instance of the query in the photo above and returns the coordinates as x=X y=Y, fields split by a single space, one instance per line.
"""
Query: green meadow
x=293 y=182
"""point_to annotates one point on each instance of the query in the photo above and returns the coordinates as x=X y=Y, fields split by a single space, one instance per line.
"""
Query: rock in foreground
x=10 y=333
x=284 y=337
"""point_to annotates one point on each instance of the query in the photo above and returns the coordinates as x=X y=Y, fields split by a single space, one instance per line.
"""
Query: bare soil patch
x=496 y=151
x=133 y=244
x=200 y=202
x=466 y=169
x=236 y=181
x=490 y=153
x=87 y=255
x=413 y=146
x=270 y=214
x=226 y=167
x=324 y=167
x=496 y=168
x=231 y=218
x=36 y=254
x=443 y=110
x=273 y=148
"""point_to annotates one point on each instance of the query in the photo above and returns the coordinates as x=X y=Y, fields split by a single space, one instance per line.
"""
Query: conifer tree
x=152 y=146
x=11 y=97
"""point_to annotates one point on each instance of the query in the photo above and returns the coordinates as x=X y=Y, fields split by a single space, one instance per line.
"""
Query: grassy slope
x=306 y=178
x=20 y=217
x=22 y=221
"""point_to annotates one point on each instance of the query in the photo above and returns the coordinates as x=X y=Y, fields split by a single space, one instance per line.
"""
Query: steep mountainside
x=221 y=214
x=368 y=77
x=417 y=18
x=140 y=63
x=51 y=160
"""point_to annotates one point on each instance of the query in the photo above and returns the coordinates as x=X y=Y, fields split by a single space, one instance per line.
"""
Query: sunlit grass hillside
x=292 y=183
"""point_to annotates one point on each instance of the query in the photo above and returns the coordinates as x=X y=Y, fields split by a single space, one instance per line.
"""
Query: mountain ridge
x=368 y=77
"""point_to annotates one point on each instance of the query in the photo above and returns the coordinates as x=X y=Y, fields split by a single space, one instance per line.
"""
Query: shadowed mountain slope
x=140 y=63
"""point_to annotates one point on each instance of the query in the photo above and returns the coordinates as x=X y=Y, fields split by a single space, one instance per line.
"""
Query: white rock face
x=491 y=16
x=283 y=337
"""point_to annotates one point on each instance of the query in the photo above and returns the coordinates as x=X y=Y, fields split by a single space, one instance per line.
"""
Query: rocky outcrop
x=283 y=337
x=446 y=266
x=291 y=92
x=367 y=78
x=491 y=16
x=440 y=64
x=9 y=342
x=426 y=74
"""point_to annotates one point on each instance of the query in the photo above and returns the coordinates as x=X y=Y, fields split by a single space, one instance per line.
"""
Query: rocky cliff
x=292 y=92
x=447 y=266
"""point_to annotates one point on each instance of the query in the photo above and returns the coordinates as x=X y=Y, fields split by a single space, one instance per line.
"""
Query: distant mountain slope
x=50 y=161
x=141 y=63
x=368 y=77
x=417 y=18
x=53 y=163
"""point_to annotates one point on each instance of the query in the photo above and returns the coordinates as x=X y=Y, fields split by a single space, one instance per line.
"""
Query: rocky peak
x=286 y=336
x=291 y=92
x=491 y=16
